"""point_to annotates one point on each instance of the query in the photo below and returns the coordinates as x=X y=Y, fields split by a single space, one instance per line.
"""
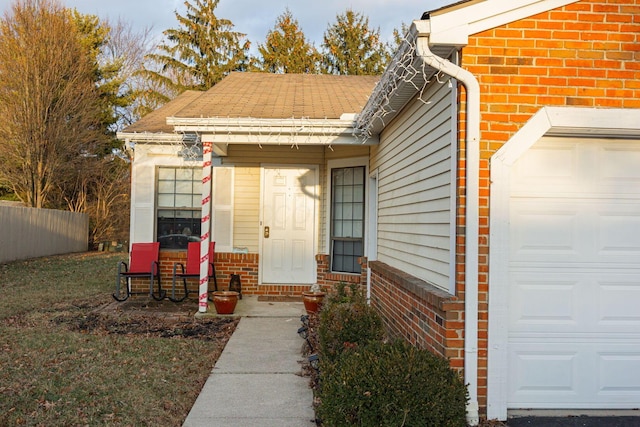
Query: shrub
x=346 y=321
x=390 y=384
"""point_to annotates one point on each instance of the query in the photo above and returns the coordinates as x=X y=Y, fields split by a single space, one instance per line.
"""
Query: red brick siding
x=413 y=310
x=584 y=54
x=246 y=265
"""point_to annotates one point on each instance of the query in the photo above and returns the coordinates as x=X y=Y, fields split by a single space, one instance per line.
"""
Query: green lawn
x=62 y=362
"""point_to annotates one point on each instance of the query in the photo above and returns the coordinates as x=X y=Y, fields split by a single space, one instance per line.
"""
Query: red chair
x=192 y=269
x=143 y=263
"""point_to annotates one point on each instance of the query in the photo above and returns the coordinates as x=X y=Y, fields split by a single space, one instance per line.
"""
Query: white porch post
x=205 y=230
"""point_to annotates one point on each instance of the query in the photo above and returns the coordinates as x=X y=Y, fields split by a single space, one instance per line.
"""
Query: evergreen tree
x=286 y=49
x=351 y=47
x=198 y=54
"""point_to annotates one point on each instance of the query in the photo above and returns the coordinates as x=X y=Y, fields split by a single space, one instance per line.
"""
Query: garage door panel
x=618 y=233
x=542 y=378
x=618 y=303
x=618 y=169
x=552 y=166
x=576 y=300
x=573 y=374
x=544 y=302
x=618 y=371
x=539 y=228
x=574 y=275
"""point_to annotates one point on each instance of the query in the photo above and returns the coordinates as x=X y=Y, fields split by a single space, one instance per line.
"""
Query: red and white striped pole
x=205 y=230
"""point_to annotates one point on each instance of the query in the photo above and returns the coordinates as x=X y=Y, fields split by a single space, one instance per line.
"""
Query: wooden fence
x=32 y=233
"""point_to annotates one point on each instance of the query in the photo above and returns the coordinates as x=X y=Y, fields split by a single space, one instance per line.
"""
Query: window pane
x=347 y=194
x=185 y=187
x=358 y=193
x=166 y=187
x=337 y=226
x=347 y=231
x=184 y=174
x=357 y=229
x=358 y=175
x=165 y=200
x=183 y=200
x=167 y=174
x=358 y=211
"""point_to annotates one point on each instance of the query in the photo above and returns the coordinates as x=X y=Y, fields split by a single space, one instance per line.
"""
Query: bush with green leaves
x=390 y=384
x=347 y=321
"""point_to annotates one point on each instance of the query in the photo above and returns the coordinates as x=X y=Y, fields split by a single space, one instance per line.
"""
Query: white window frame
x=339 y=164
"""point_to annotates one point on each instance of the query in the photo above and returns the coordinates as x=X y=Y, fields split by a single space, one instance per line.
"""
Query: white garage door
x=574 y=275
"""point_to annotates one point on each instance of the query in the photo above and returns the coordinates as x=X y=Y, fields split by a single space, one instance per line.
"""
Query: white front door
x=574 y=275
x=288 y=225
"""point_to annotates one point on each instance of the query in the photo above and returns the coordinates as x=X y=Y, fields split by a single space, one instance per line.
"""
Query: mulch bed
x=147 y=317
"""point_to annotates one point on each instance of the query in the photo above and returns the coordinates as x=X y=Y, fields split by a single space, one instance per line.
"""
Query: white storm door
x=574 y=272
x=288 y=225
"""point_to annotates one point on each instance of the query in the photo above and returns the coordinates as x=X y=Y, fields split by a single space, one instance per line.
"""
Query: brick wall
x=418 y=312
x=586 y=54
x=246 y=265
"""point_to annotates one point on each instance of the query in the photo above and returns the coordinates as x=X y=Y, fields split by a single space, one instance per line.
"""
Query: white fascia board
x=570 y=121
x=594 y=122
x=250 y=124
x=455 y=27
x=263 y=138
x=149 y=137
x=271 y=131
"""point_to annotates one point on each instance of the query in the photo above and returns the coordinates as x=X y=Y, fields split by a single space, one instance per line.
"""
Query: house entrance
x=289 y=196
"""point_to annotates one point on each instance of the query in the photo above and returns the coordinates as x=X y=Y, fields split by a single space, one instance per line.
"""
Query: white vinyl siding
x=416 y=183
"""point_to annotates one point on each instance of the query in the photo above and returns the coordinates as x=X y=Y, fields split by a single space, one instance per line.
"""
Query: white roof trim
x=570 y=121
x=204 y=123
x=295 y=131
x=455 y=26
x=159 y=137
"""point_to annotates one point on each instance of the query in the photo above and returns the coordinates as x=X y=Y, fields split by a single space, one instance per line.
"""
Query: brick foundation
x=418 y=312
x=247 y=266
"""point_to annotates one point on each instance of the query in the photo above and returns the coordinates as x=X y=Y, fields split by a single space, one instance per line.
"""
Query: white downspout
x=472 y=132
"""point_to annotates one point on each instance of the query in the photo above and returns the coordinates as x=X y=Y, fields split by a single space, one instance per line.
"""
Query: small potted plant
x=313 y=299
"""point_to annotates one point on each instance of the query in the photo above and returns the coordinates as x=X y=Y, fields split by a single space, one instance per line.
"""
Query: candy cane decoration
x=205 y=228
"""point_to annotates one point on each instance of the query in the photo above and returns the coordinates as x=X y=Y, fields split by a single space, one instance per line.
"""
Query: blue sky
x=257 y=17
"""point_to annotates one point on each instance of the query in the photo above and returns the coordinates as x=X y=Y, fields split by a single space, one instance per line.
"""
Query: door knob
x=266 y=232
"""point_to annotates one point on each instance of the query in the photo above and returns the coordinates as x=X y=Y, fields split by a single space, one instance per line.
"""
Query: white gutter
x=472 y=148
x=295 y=131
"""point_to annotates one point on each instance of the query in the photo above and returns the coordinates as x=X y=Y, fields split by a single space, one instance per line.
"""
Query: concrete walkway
x=257 y=380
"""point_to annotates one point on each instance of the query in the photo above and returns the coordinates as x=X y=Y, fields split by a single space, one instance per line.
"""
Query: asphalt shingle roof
x=266 y=96
x=156 y=121
x=280 y=96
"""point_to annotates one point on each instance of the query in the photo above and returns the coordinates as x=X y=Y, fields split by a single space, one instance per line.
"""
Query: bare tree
x=128 y=48
x=49 y=102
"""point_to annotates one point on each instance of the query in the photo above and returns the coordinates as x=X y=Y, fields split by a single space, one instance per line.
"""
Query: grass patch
x=64 y=361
